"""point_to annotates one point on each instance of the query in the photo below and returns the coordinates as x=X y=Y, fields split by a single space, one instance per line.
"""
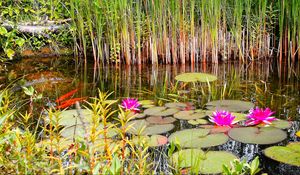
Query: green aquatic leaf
x=196 y=77
x=289 y=154
x=256 y=135
x=230 y=105
x=198 y=161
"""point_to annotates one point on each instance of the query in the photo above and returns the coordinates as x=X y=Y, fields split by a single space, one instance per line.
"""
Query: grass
x=172 y=31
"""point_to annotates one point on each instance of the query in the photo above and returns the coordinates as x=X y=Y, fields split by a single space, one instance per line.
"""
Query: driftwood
x=37 y=28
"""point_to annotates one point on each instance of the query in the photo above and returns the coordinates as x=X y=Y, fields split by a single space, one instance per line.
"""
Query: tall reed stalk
x=179 y=31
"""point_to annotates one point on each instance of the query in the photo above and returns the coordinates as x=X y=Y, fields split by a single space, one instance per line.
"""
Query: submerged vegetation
x=169 y=31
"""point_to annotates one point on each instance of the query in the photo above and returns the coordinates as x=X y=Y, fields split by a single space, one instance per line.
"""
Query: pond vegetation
x=213 y=87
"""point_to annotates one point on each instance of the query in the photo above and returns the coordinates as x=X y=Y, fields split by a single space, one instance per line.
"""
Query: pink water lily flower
x=260 y=115
x=131 y=104
x=222 y=118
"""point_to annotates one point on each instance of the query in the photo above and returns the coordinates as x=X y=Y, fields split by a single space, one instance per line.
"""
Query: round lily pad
x=239 y=116
x=151 y=141
x=282 y=124
x=196 y=77
x=230 y=105
x=136 y=115
x=78 y=131
x=190 y=115
x=255 y=135
x=289 y=154
x=146 y=102
x=160 y=120
x=142 y=127
x=70 y=117
x=201 y=162
x=176 y=105
x=160 y=111
x=216 y=129
x=197 y=138
x=198 y=122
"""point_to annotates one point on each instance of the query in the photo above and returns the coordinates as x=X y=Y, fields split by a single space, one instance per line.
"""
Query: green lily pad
x=289 y=154
x=281 y=124
x=160 y=111
x=196 y=77
x=255 y=135
x=78 y=131
x=198 y=122
x=176 y=105
x=216 y=129
x=151 y=141
x=197 y=138
x=160 y=120
x=136 y=115
x=70 y=117
x=190 y=115
x=146 y=102
x=201 y=162
x=142 y=127
x=230 y=105
x=239 y=116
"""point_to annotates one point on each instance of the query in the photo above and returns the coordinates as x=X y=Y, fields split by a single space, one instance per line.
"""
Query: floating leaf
x=216 y=129
x=142 y=127
x=160 y=111
x=230 y=105
x=255 y=135
x=79 y=131
x=151 y=141
x=146 y=102
x=197 y=138
x=239 y=116
x=200 y=162
x=190 y=115
x=160 y=120
x=196 y=77
x=281 y=124
x=198 y=122
x=70 y=117
x=289 y=154
x=136 y=115
x=176 y=105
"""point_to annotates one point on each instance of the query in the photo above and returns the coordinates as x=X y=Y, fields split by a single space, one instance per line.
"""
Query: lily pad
x=230 y=105
x=196 y=77
x=255 y=135
x=239 y=116
x=160 y=120
x=190 y=115
x=151 y=141
x=281 y=124
x=200 y=162
x=198 y=122
x=78 y=131
x=176 y=105
x=197 y=138
x=70 y=117
x=216 y=129
x=136 y=115
x=142 y=127
x=160 y=111
x=289 y=154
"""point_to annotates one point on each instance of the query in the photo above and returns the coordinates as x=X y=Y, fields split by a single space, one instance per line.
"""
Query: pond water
x=262 y=83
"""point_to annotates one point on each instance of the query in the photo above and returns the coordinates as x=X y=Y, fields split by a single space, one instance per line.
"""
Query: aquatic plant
x=242 y=167
x=222 y=118
x=130 y=104
x=260 y=115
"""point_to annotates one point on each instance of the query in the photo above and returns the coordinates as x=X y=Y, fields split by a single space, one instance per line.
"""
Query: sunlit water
x=262 y=83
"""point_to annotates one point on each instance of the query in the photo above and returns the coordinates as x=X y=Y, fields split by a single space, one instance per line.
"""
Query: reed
x=179 y=31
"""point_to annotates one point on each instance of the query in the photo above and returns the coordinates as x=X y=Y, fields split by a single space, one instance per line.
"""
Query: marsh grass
x=187 y=31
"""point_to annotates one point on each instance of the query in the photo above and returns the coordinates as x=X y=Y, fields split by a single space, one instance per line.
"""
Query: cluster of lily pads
x=213 y=126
